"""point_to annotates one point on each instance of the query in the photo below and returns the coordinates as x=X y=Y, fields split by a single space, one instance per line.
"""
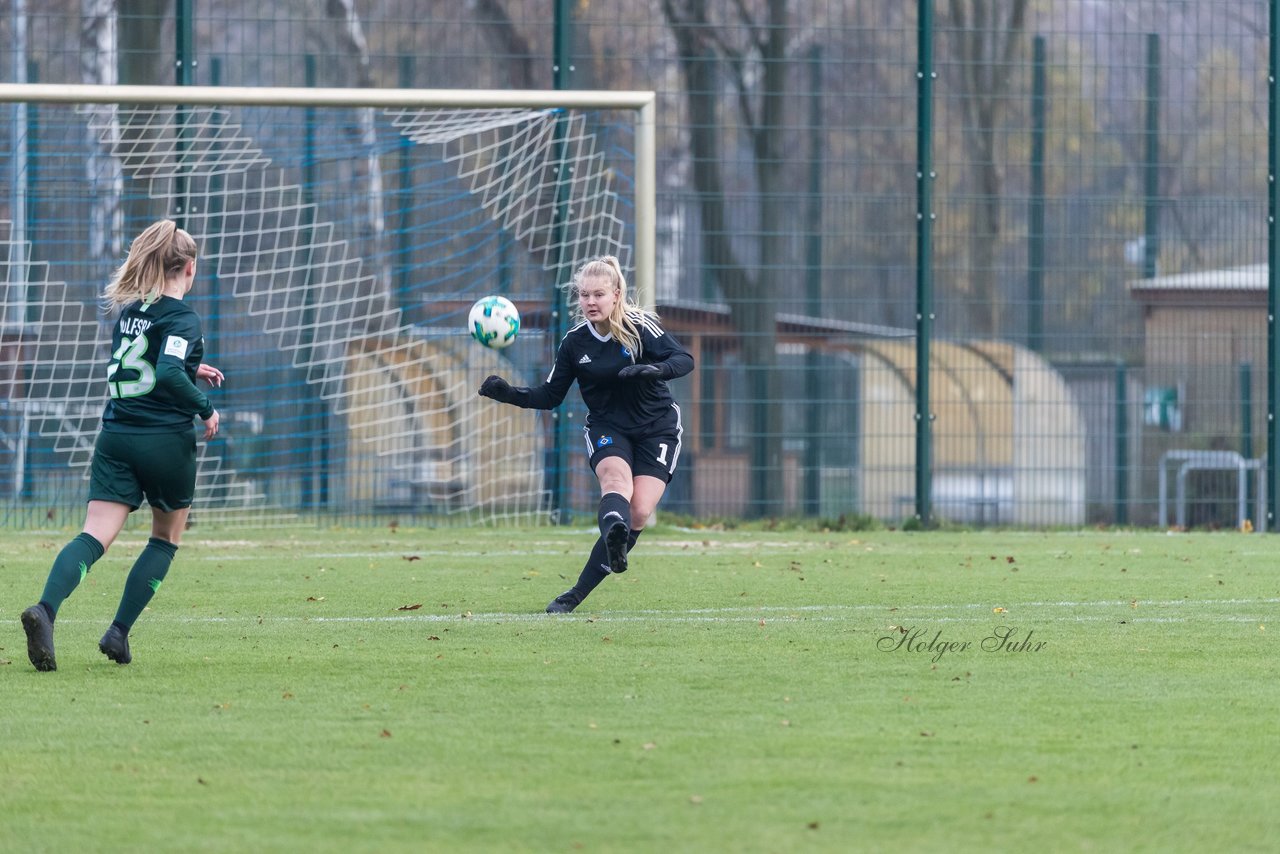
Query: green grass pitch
x=360 y=690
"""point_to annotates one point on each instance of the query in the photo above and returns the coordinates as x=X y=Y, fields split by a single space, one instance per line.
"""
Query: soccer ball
x=494 y=322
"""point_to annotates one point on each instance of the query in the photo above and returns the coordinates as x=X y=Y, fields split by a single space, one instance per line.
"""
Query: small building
x=1203 y=378
x=1009 y=440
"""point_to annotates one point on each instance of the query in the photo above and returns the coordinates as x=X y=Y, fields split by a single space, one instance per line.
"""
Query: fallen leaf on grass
x=415 y=606
x=410 y=557
x=315 y=598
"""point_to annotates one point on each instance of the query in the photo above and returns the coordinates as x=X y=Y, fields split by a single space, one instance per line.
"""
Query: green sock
x=144 y=579
x=69 y=569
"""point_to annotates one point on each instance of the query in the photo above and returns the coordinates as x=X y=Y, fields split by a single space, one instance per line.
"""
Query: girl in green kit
x=146 y=447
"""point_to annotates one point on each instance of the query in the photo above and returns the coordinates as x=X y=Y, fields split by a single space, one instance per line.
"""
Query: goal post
x=343 y=234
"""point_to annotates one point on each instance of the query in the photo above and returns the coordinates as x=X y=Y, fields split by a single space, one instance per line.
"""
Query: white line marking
x=1014 y=613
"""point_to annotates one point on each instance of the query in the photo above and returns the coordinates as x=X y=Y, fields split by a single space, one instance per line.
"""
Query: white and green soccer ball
x=494 y=321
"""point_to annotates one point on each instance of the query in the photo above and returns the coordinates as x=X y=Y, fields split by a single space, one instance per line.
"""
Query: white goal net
x=342 y=244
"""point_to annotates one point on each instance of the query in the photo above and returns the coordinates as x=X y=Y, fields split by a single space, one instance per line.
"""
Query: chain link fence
x=1040 y=230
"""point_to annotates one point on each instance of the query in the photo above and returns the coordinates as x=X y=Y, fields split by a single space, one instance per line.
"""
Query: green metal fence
x=981 y=261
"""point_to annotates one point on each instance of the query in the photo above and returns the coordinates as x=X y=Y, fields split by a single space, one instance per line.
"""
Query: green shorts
x=160 y=466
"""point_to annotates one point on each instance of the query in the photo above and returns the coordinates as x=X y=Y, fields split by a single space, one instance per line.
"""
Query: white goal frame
x=515 y=436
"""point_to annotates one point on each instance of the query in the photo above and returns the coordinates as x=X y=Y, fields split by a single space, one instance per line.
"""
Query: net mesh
x=340 y=251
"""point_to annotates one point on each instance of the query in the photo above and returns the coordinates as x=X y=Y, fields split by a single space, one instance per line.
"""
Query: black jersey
x=594 y=361
x=147 y=395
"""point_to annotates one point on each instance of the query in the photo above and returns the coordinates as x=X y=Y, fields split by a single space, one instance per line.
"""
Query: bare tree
x=351 y=37
x=756 y=68
x=98 y=52
x=508 y=42
x=139 y=63
x=986 y=36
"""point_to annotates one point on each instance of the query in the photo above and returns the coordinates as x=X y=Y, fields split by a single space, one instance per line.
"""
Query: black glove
x=496 y=388
x=640 y=372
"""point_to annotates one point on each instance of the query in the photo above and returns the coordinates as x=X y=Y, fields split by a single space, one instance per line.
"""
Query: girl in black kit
x=622 y=359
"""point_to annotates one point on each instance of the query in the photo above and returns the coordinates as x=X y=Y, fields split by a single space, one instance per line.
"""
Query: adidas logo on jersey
x=585 y=360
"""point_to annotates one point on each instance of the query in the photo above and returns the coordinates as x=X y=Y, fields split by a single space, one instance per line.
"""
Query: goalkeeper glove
x=496 y=388
x=640 y=372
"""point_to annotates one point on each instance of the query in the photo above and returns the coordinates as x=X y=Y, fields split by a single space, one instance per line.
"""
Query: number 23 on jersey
x=129 y=356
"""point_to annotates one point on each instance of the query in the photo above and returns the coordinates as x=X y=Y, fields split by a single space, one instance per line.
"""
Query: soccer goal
x=344 y=234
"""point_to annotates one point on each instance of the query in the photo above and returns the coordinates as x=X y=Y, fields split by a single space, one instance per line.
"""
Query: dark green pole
x=184 y=35
x=562 y=72
x=1122 y=444
x=1151 y=165
x=1273 y=262
x=404 y=225
x=813 y=291
x=213 y=236
x=1246 y=410
x=317 y=496
x=31 y=184
x=1246 y=428
x=925 y=76
x=1035 y=215
x=184 y=26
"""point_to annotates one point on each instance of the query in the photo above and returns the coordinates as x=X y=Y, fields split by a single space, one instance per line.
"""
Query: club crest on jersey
x=604 y=440
x=626 y=352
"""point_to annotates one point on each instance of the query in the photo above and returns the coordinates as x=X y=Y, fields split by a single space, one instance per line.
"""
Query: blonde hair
x=625 y=314
x=155 y=256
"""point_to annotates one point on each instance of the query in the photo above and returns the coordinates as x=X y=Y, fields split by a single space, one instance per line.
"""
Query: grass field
x=360 y=690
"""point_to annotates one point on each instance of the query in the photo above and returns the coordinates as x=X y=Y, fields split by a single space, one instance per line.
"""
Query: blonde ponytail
x=156 y=255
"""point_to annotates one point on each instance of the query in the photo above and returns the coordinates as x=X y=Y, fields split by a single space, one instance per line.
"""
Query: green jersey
x=155 y=350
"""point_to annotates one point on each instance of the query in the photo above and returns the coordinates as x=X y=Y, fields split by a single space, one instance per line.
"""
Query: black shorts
x=654 y=453
x=160 y=466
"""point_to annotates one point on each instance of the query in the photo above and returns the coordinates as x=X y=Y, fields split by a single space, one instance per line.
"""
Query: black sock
x=597 y=568
x=595 y=571
x=613 y=509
